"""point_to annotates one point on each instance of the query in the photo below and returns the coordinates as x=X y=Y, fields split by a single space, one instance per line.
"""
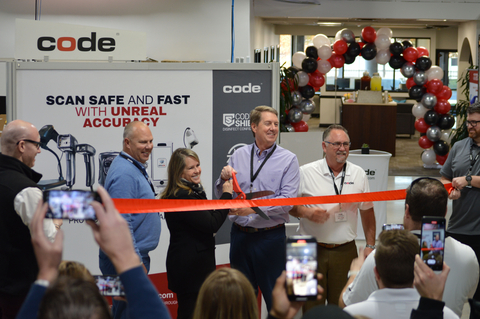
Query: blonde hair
x=75 y=270
x=175 y=171
x=226 y=294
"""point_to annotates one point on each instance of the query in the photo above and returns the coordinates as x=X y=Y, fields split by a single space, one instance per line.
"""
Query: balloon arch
x=424 y=83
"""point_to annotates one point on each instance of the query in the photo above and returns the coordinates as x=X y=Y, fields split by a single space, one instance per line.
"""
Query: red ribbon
x=134 y=206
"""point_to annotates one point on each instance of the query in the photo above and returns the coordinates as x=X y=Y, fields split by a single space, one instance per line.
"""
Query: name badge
x=340 y=217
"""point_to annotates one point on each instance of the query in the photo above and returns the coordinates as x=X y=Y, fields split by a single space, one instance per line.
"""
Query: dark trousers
x=10 y=305
x=186 y=304
x=474 y=242
x=260 y=257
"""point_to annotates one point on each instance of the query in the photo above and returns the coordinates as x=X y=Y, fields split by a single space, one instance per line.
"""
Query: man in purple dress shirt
x=257 y=245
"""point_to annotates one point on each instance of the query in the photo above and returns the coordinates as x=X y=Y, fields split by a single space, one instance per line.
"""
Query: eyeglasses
x=472 y=123
x=37 y=144
x=338 y=144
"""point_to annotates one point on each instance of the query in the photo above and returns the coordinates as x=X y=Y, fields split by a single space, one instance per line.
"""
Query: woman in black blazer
x=191 y=253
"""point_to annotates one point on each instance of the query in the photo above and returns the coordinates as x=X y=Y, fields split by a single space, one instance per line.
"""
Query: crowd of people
x=375 y=281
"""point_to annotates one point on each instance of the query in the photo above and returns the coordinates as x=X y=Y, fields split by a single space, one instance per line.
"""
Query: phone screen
x=301 y=268
x=392 y=226
x=70 y=204
x=110 y=285
x=432 y=245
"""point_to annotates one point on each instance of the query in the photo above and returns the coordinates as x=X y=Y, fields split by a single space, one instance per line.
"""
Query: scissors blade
x=260 y=212
x=259 y=194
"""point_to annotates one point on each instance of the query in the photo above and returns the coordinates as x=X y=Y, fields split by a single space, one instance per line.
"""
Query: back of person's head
x=226 y=294
x=176 y=165
x=426 y=197
x=73 y=298
x=75 y=270
x=395 y=257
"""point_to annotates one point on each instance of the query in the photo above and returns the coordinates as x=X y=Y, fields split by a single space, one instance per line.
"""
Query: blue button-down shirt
x=280 y=174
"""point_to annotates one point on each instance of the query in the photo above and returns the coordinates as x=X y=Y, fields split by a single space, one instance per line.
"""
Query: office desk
x=373 y=124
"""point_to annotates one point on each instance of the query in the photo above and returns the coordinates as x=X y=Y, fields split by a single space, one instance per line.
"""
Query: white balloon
x=418 y=110
x=324 y=52
x=302 y=78
x=320 y=39
x=338 y=35
x=387 y=31
x=323 y=66
x=298 y=58
x=306 y=117
x=383 y=56
x=429 y=157
x=434 y=73
x=382 y=41
x=445 y=136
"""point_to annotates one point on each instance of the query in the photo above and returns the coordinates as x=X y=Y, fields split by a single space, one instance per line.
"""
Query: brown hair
x=175 y=170
x=426 y=197
x=226 y=294
x=256 y=114
x=74 y=269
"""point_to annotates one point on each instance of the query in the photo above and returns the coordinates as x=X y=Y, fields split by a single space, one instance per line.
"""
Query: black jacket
x=18 y=266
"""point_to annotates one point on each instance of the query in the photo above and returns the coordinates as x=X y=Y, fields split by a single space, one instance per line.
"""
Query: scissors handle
x=236 y=187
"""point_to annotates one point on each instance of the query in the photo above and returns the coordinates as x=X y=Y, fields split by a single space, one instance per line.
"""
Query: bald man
x=128 y=178
x=19 y=196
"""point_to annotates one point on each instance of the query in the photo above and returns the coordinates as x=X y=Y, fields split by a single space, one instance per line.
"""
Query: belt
x=330 y=246
x=248 y=229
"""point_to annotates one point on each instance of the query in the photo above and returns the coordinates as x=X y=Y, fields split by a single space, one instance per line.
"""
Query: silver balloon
x=296 y=98
x=445 y=136
x=429 y=100
x=429 y=157
x=307 y=106
x=418 y=110
x=434 y=133
x=408 y=69
x=420 y=78
x=289 y=128
x=347 y=35
x=295 y=115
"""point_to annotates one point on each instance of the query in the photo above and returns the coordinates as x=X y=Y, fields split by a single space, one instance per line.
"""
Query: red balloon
x=301 y=126
x=421 y=125
x=317 y=89
x=422 y=52
x=317 y=79
x=291 y=85
x=410 y=54
x=445 y=93
x=435 y=86
x=369 y=34
x=442 y=106
x=361 y=44
x=441 y=159
x=336 y=60
x=340 y=46
x=424 y=142
x=410 y=83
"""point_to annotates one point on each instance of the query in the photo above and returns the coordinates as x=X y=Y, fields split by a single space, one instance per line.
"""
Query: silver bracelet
x=370 y=246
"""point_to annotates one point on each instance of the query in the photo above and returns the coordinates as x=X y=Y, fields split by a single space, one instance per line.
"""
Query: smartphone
x=432 y=245
x=392 y=226
x=70 y=204
x=109 y=285
x=301 y=268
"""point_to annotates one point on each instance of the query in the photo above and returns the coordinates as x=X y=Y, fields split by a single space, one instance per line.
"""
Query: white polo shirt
x=316 y=180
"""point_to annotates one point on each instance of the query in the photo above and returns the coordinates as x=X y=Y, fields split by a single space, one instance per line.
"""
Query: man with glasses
x=334 y=225
x=462 y=168
x=19 y=196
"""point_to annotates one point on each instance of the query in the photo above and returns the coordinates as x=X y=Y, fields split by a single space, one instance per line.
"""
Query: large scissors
x=242 y=195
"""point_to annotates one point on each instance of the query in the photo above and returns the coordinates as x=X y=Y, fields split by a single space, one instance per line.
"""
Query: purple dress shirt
x=280 y=174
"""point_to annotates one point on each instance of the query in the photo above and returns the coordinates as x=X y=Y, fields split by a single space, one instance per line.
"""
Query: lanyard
x=142 y=169
x=343 y=179
x=472 y=159
x=254 y=176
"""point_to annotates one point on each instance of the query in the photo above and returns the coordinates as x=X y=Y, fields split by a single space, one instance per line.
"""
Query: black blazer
x=191 y=253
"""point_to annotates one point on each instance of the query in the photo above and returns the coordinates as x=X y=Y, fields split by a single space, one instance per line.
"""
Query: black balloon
x=441 y=148
x=307 y=91
x=446 y=121
x=309 y=65
x=396 y=48
x=406 y=44
x=423 y=63
x=369 y=51
x=396 y=62
x=416 y=92
x=311 y=52
x=353 y=49
x=293 y=70
x=431 y=117
x=349 y=59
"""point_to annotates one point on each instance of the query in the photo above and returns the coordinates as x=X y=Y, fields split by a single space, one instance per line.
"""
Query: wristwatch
x=370 y=246
x=469 y=180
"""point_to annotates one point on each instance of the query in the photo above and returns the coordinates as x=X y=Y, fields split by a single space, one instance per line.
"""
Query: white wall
x=176 y=30
x=263 y=35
